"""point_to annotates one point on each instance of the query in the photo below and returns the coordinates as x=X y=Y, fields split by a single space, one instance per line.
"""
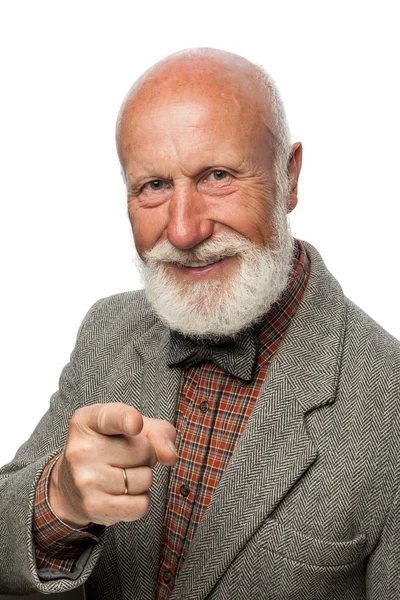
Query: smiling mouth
x=196 y=264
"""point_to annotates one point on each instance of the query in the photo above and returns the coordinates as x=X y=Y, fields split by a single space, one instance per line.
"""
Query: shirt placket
x=195 y=420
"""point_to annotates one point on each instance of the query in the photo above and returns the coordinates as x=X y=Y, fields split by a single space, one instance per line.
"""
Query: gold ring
x=125 y=482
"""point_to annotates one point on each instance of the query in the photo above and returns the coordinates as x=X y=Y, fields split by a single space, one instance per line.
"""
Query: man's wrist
x=57 y=500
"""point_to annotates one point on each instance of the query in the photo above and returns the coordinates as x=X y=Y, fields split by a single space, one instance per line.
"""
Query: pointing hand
x=106 y=442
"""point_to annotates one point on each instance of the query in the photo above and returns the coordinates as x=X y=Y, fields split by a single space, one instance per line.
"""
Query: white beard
x=219 y=308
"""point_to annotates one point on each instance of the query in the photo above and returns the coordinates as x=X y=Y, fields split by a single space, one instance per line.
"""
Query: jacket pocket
x=294 y=545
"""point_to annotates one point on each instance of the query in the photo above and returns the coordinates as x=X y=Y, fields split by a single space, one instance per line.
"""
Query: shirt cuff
x=57 y=544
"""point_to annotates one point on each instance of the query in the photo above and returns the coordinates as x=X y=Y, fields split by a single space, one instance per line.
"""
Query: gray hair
x=281 y=131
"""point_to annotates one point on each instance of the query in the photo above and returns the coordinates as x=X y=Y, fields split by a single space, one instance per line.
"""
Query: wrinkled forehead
x=207 y=92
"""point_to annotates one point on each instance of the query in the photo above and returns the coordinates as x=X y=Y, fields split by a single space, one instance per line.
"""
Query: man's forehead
x=226 y=81
x=199 y=132
x=195 y=112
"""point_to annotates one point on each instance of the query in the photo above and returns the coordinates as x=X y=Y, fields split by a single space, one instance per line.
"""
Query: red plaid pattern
x=212 y=413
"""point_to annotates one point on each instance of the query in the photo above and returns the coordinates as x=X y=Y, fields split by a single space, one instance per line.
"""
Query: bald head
x=217 y=77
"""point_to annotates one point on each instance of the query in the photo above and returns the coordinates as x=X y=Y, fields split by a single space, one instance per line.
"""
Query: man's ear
x=294 y=168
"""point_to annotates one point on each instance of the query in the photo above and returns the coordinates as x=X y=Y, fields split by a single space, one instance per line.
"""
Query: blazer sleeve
x=18 y=481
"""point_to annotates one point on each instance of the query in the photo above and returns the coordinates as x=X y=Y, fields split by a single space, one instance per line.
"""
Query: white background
x=65 y=239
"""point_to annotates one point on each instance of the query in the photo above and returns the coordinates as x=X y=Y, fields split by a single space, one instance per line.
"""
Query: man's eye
x=155 y=185
x=218 y=175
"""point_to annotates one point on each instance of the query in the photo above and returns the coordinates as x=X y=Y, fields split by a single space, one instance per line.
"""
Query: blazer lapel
x=275 y=449
x=139 y=543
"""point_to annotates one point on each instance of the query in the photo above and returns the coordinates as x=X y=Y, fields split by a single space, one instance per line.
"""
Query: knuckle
x=83 y=480
x=72 y=454
x=79 y=415
x=87 y=481
x=78 y=424
x=104 y=416
x=76 y=452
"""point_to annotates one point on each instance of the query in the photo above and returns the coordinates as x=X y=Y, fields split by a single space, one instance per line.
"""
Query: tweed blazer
x=308 y=507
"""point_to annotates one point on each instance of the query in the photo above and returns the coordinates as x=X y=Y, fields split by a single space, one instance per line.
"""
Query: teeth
x=204 y=263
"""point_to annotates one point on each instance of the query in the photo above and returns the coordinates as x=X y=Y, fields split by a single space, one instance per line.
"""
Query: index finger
x=162 y=435
x=115 y=418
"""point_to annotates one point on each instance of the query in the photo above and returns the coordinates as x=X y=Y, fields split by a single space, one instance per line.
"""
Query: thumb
x=114 y=418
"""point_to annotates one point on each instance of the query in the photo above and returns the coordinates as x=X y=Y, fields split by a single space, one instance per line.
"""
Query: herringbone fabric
x=308 y=505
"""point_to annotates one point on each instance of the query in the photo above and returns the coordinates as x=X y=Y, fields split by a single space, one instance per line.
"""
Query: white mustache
x=216 y=247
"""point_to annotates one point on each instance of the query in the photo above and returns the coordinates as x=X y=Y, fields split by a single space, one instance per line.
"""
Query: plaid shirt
x=213 y=410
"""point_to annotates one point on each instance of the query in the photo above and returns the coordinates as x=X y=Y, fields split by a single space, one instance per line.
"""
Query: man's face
x=199 y=168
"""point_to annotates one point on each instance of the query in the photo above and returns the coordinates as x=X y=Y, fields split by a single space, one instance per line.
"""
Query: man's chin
x=197 y=309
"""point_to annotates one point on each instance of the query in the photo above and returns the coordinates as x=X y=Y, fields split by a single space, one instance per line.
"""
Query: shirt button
x=167 y=577
x=185 y=490
x=204 y=407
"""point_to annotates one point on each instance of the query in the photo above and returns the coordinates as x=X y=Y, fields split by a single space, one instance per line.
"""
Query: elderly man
x=258 y=405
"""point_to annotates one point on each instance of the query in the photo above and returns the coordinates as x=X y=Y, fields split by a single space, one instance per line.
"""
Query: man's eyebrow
x=135 y=183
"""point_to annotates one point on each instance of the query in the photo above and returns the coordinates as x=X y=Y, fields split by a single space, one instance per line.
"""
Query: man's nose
x=188 y=223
